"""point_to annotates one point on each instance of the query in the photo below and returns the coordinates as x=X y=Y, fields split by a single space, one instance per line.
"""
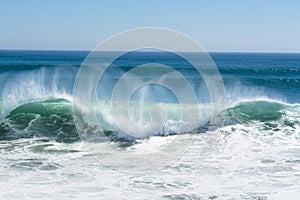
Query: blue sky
x=231 y=25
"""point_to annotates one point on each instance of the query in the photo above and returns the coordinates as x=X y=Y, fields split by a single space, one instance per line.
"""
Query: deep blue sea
x=257 y=155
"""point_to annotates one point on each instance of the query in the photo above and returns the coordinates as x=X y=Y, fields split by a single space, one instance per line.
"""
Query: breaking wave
x=53 y=119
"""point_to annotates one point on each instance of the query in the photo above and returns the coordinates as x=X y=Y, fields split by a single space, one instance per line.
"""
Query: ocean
x=256 y=154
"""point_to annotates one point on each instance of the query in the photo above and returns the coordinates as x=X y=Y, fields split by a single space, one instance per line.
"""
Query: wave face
x=269 y=115
x=53 y=119
x=257 y=111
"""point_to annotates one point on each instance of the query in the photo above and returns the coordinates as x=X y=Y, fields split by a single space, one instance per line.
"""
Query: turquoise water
x=257 y=155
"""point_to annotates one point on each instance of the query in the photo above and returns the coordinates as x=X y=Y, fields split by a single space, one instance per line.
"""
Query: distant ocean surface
x=257 y=156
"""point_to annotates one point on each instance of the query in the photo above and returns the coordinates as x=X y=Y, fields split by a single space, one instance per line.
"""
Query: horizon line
x=212 y=51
